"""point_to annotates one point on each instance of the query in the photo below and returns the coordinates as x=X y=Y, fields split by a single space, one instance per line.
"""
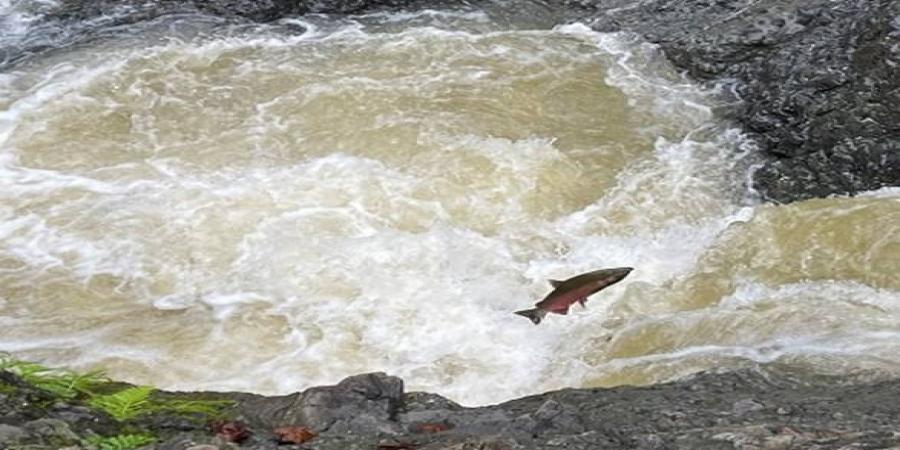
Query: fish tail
x=534 y=314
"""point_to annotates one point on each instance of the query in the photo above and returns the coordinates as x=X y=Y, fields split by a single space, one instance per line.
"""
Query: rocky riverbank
x=818 y=79
x=819 y=88
x=744 y=410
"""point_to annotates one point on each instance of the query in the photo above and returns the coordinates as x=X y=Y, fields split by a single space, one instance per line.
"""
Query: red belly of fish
x=561 y=304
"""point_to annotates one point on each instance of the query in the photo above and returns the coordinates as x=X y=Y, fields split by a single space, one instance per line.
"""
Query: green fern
x=125 y=404
x=121 y=442
x=60 y=382
x=122 y=405
x=136 y=401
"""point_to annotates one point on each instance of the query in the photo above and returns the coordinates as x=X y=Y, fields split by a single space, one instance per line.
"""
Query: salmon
x=574 y=290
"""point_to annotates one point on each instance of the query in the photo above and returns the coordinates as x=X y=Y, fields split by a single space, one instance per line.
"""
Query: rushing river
x=198 y=205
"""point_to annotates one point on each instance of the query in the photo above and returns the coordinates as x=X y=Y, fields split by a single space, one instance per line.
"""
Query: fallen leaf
x=293 y=435
x=432 y=427
x=231 y=431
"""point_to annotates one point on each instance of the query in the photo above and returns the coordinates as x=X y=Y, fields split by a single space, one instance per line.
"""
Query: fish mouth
x=621 y=272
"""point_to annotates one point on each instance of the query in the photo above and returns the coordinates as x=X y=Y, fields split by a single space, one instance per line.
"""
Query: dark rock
x=360 y=404
x=10 y=435
x=745 y=406
x=554 y=417
x=818 y=79
x=52 y=430
x=709 y=411
x=183 y=441
x=45 y=419
x=72 y=22
x=416 y=401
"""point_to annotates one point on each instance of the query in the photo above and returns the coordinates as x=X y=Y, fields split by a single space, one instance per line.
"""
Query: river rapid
x=195 y=204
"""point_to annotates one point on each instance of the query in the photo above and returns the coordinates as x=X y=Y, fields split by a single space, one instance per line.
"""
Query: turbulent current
x=198 y=205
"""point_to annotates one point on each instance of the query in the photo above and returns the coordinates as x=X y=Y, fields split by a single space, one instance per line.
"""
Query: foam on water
x=763 y=324
x=17 y=15
x=268 y=212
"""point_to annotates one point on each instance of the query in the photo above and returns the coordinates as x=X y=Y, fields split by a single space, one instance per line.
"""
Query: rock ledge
x=741 y=410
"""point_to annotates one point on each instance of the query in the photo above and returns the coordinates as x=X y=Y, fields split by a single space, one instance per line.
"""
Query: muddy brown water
x=204 y=209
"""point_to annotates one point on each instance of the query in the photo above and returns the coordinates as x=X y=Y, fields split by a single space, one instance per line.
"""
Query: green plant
x=136 y=401
x=212 y=408
x=125 y=404
x=60 y=382
x=121 y=442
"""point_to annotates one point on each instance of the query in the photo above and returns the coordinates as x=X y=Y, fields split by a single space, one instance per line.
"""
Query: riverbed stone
x=10 y=435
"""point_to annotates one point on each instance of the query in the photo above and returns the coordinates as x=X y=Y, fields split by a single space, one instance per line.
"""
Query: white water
x=17 y=15
x=252 y=210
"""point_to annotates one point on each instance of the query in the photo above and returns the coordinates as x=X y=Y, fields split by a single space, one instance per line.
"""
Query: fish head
x=607 y=277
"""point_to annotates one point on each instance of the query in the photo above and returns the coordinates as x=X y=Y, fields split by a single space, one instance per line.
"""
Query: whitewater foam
x=367 y=195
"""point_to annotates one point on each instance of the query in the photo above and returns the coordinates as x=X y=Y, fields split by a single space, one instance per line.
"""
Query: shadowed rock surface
x=819 y=80
x=744 y=410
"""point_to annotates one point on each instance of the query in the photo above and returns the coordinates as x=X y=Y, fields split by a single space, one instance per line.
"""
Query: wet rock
x=183 y=441
x=424 y=401
x=359 y=404
x=649 y=442
x=10 y=435
x=52 y=430
x=554 y=417
x=745 y=406
x=817 y=78
x=395 y=445
x=781 y=442
x=710 y=411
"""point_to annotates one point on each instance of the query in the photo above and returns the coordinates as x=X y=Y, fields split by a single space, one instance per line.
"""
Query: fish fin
x=582 y=301
x=535 y=314
x=555 y=283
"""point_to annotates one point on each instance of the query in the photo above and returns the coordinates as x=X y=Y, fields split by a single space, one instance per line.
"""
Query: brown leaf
x=231 y=431
x=431 y=427
x=293 y=435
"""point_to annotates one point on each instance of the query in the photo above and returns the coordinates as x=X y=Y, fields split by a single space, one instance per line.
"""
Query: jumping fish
x=575 y=289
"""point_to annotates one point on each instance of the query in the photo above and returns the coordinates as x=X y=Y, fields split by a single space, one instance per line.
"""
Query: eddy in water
x=575 y=289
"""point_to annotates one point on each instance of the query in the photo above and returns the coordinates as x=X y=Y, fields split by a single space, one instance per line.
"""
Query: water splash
x=379 y=193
